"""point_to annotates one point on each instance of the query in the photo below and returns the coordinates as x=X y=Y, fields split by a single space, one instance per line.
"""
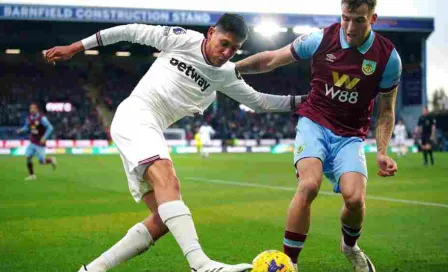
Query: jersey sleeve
x=163 y=38
x=306 y=45
x=48 y=127
x=240 y=91
x=26 y=126
x=392 y=73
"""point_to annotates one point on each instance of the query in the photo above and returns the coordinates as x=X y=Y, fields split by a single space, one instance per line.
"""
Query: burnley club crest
x=368 y=67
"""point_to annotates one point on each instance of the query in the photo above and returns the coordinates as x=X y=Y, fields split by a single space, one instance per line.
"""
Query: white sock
x=177 y=217
x=136 y=241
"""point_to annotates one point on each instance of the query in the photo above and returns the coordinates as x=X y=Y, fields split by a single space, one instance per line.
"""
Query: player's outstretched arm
x=384 y=129
x=23 y=129
x=61 y=53
x=265 y=61
x=303 y=47
x=161 y=37
x=240 y=91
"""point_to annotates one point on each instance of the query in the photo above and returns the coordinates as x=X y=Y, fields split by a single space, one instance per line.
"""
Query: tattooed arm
x=385 y=126
x=385 y=120
x=265 y=61
x=303 y=47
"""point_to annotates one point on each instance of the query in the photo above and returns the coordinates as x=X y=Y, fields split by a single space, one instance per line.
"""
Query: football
x=272 y=261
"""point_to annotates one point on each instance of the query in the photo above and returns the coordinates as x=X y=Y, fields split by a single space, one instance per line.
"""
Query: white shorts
x=399 y=140
x=206 y=142
x=139 y=140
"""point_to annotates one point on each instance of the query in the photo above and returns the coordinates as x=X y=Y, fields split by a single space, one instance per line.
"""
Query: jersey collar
x=363 y=48
x=204 y=43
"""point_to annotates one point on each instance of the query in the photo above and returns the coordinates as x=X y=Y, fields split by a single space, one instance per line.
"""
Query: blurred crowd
x=23 y=83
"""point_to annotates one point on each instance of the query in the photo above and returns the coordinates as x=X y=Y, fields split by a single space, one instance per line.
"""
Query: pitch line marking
x=292 y=189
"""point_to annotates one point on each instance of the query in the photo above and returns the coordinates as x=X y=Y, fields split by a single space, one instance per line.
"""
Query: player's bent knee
x=355 y=202
x=308 y=190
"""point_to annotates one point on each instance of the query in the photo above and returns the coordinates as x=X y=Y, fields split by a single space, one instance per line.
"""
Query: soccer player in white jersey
x=400 y=138
x=205 y=133
x=182 y=81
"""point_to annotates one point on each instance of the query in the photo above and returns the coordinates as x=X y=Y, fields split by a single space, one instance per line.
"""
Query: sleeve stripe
x=294 y=53
x=387 y=90
x=98 y=39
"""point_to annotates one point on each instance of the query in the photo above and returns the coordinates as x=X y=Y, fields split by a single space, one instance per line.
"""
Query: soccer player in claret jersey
x=182 y=81
x=351 y=65
x=40 y=129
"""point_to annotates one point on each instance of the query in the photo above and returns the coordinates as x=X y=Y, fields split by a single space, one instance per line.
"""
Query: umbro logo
x=330 y=57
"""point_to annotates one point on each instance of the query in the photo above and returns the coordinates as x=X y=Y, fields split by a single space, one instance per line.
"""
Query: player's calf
x=48 y=160
x=136 y=241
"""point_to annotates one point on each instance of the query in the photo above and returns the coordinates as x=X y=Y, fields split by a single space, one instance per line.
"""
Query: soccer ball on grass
x=272 y=261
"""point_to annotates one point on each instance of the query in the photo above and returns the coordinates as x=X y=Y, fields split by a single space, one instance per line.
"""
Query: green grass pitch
x=68 y=217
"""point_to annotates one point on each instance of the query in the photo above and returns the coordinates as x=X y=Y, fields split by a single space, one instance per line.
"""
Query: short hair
x=35 y=104
x=233 y=23
x=354 y=4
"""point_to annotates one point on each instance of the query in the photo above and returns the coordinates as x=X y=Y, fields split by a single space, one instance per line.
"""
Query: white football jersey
x=400 y=131
x=182 y=82
x=206 y=132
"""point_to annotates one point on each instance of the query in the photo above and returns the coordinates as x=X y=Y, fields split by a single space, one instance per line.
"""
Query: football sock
x=425 y=156
x=293 y=244
x=351 y=235
x=136 y=241
x=30 y=168
x=430 y=156
x=48 y=160
x=177 y=217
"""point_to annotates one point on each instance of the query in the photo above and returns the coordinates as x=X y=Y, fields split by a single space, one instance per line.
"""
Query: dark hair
x=233 y=23
x=35 y=103
x=354 y=4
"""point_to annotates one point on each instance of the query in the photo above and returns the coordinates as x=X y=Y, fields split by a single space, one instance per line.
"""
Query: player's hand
x=61 y=53
x=42 y=141
x=433 y=138
x=387 y=166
